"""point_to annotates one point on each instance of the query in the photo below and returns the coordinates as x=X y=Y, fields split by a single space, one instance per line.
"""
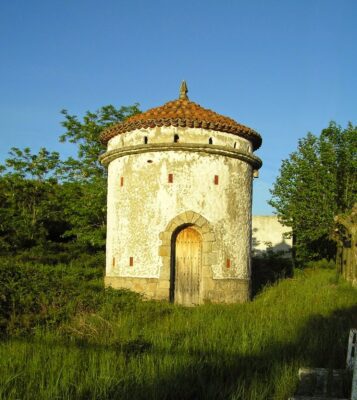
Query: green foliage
x=87 y=175
x=46 y=202
x=39 y=167
x=322 y=264
x=268 y=269
x=30 y=212
x=32 y=295
x=85 y=213
x=317 y=182
x=108 y=344
x=86 y=135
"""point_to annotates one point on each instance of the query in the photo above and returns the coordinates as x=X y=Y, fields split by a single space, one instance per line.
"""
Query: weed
x=66 y=337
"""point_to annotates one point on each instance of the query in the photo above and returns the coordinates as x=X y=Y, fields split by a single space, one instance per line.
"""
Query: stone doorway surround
x=209 y=249
x=220 y=290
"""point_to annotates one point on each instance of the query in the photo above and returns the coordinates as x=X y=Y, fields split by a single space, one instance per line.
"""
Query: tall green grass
x=121 y=347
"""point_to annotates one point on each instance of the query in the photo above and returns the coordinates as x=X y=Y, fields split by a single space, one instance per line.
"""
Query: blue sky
x=281 y=67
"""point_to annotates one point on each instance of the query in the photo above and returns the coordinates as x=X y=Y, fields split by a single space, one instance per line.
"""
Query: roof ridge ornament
x=183 y=91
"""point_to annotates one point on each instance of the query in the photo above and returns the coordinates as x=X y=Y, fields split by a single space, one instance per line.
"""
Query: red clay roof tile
x=183 y=113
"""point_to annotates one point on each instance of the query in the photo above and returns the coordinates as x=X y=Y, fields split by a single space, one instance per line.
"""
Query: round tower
x=179 y=204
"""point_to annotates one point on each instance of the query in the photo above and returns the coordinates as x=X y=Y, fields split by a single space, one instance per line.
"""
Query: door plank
x=188 y=267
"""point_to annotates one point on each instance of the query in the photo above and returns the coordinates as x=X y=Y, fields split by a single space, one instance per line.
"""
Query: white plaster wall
x=141 y=209
x=268 y=232
x=186 y=135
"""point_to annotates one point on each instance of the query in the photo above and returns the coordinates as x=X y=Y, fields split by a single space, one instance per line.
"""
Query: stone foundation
x=227 y=291
x=151 y=288
x=213 y=290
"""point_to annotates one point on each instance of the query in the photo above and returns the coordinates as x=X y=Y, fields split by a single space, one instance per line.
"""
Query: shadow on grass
x=321 y=342
x=269 y=269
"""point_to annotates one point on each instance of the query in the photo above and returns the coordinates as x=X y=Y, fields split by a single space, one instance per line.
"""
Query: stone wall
x=217 y=291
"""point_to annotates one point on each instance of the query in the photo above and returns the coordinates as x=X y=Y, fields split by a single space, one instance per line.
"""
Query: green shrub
x=324 y=264
x=269 y=268
x=57 y=253
x=33 y=295
x=111 y=345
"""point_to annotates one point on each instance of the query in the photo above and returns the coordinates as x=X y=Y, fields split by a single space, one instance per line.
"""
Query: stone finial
x=183 y=91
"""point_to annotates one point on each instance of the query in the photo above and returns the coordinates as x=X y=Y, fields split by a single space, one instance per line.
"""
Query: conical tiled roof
x=183 y=113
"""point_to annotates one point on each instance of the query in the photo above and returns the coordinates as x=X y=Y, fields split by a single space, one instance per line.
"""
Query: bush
x=322 y=264
x=268 y=269
x=58 y=253
x=33 y=295
x=128 y=349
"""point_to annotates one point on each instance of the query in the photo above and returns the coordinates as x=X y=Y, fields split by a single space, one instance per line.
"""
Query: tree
x=45 y=200
x=87 y=175
x=317 y=182
x=86 y=135
x=30 y=212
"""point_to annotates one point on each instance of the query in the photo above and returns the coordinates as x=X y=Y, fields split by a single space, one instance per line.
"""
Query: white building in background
x=269 y=234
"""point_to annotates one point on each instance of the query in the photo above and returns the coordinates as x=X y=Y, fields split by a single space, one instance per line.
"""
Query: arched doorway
x=186 y=267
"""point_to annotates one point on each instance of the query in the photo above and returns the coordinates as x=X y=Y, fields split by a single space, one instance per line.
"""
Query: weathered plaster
x=186 y=135
x=145 y=211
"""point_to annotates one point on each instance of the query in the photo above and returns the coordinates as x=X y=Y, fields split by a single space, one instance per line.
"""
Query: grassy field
x=65 y=337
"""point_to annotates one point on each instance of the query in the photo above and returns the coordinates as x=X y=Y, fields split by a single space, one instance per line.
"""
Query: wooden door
x=188 y=267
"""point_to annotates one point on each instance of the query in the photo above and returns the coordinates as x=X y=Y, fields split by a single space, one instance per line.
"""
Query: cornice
x=224 y=151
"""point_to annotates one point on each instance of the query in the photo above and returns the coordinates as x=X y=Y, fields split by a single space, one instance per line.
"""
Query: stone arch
x=209 y=246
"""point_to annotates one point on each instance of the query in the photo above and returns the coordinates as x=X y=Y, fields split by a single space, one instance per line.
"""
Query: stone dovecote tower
x=179 y=204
